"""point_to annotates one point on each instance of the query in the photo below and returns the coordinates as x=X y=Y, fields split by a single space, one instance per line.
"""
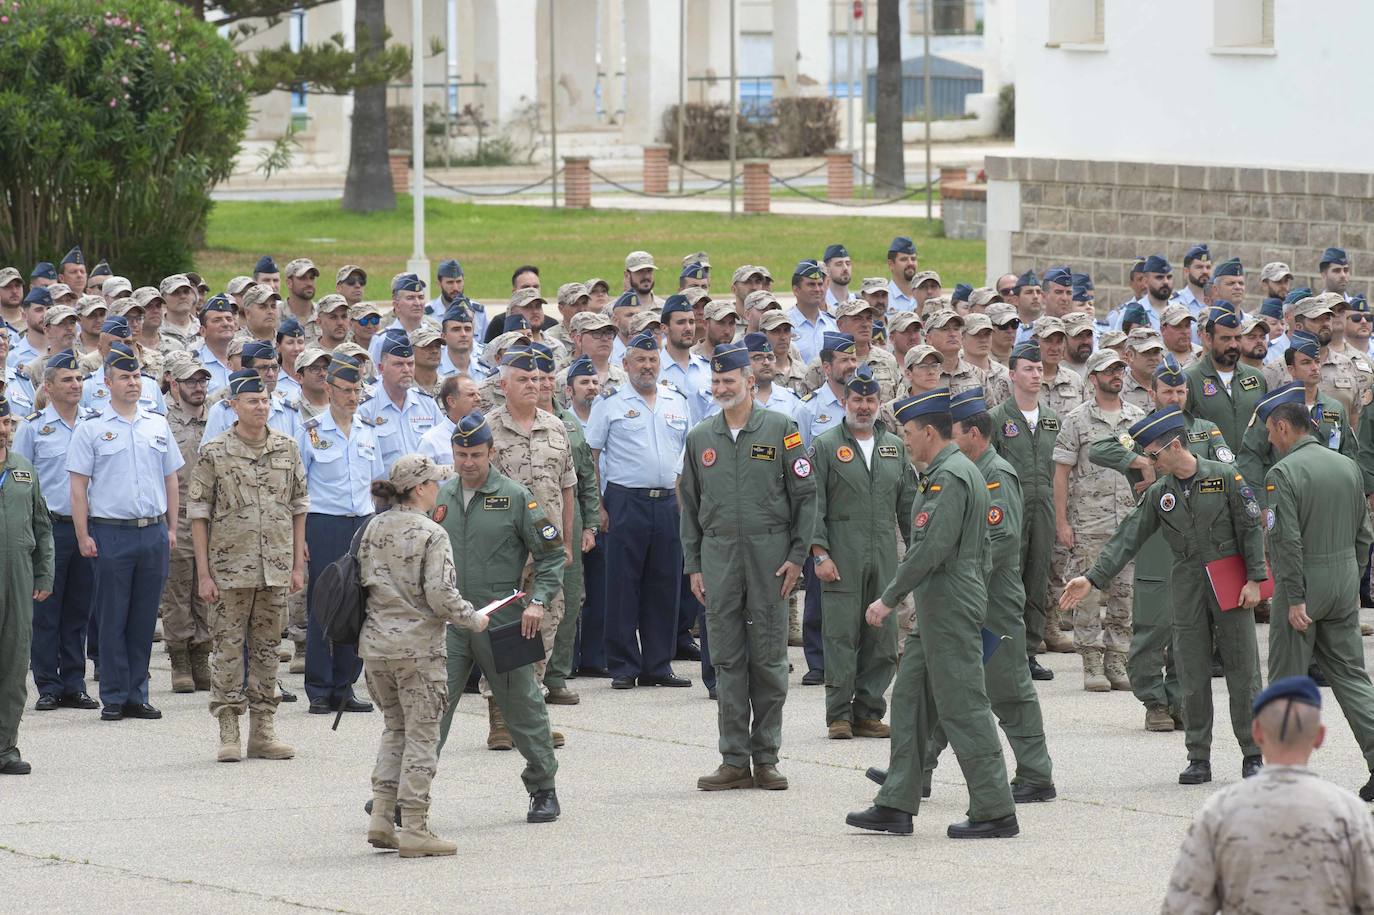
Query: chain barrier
x=849 y=204
x=471 y=193
x=643 y=193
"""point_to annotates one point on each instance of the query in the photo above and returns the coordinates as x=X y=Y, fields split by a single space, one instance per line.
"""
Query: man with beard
x=748 y=513
x=1219 y=389
x=1315 y=315
x=681 y=364
x=839 y=270
x=1197 y=270
x=301 y=276
x=1062 y=387
x=1335 y=270
x=1079 y=341
x=719 y=327
x=901 y=266
x=1159 y=289
x=639 y=277
x=1254 y=342
x=1090 y=502
x=746 y=279
x=451 y=284
x=1176 y=329
x=34 y=342
x=1136 y=280
x=809 y=322
x=1275 y=280
x=331 y=323
x=864 y=493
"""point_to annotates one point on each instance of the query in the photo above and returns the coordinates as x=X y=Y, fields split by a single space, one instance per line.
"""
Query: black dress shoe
x=15 y=767
x=112 y=713
x=711 y=694
x=1038 y=672
x=352 y=704
x=594 y=672
x=665 y=680
x=1030 y=794
x=813 y=678
x=689 y=652
x=1198 y=772
x=1367 y=792
x=320 y=706
x=396 y=813
x=1000 y=828
x=623 y=683
x=543 y=807
x=881 y=819
x=286 y=694
x=876 y=775
x=141 y=710
x=46 y=703
x=78 y=700
x=1251 y=765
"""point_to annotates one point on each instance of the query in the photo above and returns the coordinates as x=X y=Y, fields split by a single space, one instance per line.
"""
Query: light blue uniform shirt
x=339 y=469
x=780 y=400
x=437 y=443
x=435 y=309
x=898 y=300
x=618 y=348
x=18 y=389
x=694 y=382
x=128 y=462
x=399 y=431
x=95 y=394
x=477 y=371
x=21 y=351
x=810 y=334
x=1185 y=297
x=288 y=387
x=833 y=302
x=286 y=420
x=219 y=372
x=641 y=447
x=820 y=410
x=45 y=439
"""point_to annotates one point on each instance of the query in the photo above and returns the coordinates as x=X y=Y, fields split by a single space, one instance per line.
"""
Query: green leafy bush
x=119 y=119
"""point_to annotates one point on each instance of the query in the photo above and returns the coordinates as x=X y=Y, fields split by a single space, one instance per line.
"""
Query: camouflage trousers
x=411 y=694
x=294 y=623
x=1103 y=618
x=185 y=617
x=548 y=628
x=251 y=617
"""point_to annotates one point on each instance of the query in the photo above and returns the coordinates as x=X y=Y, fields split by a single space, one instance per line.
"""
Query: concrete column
x=756 y=182
x=708 y=50
x=504 y=58
x=651 y=70
x=577 y=182
x=801 y=47
x=576 y=25
x=612 y=60
x=839 y=174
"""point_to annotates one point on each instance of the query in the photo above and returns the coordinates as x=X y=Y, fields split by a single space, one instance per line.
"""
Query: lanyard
x=3 y=475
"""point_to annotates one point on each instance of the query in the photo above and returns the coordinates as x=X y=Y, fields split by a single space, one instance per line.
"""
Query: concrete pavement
x=136 y=816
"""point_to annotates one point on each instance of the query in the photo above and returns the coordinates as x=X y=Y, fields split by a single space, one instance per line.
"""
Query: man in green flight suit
x=1321 y=536
x=582 y=534
x=26 y=561
x=1010 y=690
x=1023 y=432
x=1206 y=511
x=1150 y=661
x=1331 y=424
x=864 y=492
x=494 y=524
x=947 y=565
x=748 y=510
x=1221 y=388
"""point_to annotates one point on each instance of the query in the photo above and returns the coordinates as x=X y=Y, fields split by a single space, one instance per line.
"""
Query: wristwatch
x=822 y=557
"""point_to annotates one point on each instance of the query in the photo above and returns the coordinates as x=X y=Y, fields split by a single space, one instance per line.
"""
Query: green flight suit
x=1011 y=692
x=586 y=515
x=858 y=513
x=748 y=506
x=1217 y=516
x=1152 y=613
x=1207 y=397
x=1321 y=537
x=1333 y=430
x=492 y=536
x=940 y=676
x=1031 y=453
x=26 y=565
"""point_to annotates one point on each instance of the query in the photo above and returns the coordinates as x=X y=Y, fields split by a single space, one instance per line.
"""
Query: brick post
x=577 y=182
x=952 y=176
x=756 y=190
x=656 y=168
x=839 y=174
x=400 y=171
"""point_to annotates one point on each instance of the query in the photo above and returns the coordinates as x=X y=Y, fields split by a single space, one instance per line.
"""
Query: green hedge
x=119 y=117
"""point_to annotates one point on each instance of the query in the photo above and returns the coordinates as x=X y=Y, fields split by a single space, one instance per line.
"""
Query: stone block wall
x=1098 y=216
x=964 y=209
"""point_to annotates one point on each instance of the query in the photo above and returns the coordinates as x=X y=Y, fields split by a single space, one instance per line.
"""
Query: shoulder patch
x=792 y=440
x=608 y=391
x=995 y=484
x=312 y=423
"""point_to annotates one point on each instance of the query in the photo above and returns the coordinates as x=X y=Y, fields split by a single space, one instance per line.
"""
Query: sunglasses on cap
x=369 y=320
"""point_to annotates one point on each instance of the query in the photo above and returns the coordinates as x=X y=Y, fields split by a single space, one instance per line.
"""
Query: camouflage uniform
x=1341 y=380
x=996 y=383
x=794 y=377
x=1135 y=393
x=295 y=603
x=185 y=617
x=174 y=339
x=541 y=460
x=964 y=376
x=250 y=496
x=1364 y=372
x=489 y=393
x=1285 y=840
x=586 y=515
x=1064 y=392
x=885 y=371
x=1099 y=500
x=405 y=562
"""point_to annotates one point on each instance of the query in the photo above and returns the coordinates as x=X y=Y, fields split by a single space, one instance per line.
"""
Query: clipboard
x=1227 y=576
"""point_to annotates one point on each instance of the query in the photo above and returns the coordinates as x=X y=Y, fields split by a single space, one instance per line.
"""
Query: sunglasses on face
x=1005 y=292
x=369 y=320
x=354 y=281
x=1360 y=316
x=1010 y=324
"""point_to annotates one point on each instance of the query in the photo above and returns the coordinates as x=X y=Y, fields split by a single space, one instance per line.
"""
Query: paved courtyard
x=136 y=817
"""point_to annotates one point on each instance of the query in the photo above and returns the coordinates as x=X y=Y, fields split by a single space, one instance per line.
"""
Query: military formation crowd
x=922 y=487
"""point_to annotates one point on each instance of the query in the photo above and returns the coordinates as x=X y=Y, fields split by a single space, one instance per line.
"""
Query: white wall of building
x=1159 y=89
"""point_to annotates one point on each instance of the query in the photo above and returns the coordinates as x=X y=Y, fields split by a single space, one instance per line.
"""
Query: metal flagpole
x=553 y=109
x=925 y=65
x=734 y=105
x=419 y=264
x=681 y=86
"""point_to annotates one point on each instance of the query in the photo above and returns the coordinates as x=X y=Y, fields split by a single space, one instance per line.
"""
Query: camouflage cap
x=121 y=307
x=144 y=295
x=363 y=309
x=116 y=286
x=1000 y=313
x=1078 y=322
x=920 y=353
x=185 y=366
x=526 y=298
x=236 y=344
x=1048 y=325
x=773 y=319
x=1111 y=339
x=644 y=320
x=763 y=272
x=1102 y=360
x=301 y=266
x=976 y=323
x=238 y=284
x=1252 y=321
x=348 y=270
x=351 y=350
x=926 y=276
x=169 y=284
x=983 y=296
x=331 y=302
x=1275 y=270
x=720 y=309
x=936 y=303
x=88 y=305
x=1144 y=339
x=585 y=321
x=412 y=470
x=256 y=295
x=938 y=319
x=854 y=308
x=570 y=293
x=503 y=342
x=698 y=258
x=1314 y=306
x=425 y=335
x=744 y=271
x=59 y=291
x=1176 y=314
x=903 y=320
x=595 y=281
x=9 y=275
x=309 y=356
x=56 y=314
x=694 y=294
x=761 y=300
x=639 y=260
x=872 y=284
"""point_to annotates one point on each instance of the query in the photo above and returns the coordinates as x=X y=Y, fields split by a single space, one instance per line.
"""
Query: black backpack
x=339 y=600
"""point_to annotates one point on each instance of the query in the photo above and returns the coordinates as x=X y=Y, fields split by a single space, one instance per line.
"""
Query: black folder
x=510 y=649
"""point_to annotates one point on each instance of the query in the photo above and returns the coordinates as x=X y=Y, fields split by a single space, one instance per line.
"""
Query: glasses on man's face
x=354 y=281
x=1005 y=291
x=369 y=320
x=1010 y=324
x=1360 y=316
x=1154 y=455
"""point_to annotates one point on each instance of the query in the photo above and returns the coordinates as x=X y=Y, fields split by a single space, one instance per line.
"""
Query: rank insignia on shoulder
x=791 y=440
x=532 y=505
x=1216 y=432
x=608 y=391
x=934 y=487
x=887 y=451
x=496 y=503
x=32 y=416
x=995 y=484
x=1217 y=484
x=808 y=397
x=670 y=386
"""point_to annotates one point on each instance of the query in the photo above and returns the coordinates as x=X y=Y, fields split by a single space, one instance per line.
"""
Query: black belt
x=665 y=493
x=56 y=517
x=724 y=531
x=128 y=522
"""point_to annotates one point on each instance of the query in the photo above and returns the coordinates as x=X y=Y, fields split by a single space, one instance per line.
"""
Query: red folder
x=1228 y=576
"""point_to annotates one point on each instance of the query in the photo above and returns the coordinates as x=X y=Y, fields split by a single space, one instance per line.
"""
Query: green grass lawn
x=567 y=245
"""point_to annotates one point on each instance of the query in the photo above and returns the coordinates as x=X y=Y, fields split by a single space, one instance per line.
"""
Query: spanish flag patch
x=792 y=440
